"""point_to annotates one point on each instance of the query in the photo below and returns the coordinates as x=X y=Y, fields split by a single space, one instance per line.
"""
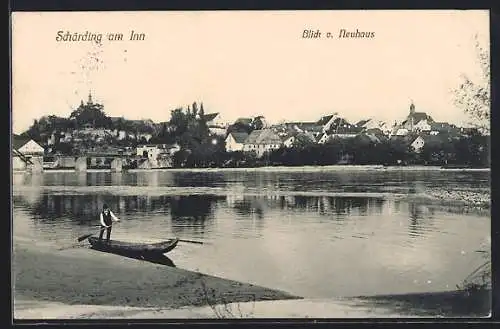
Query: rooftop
x=263 y=136
x=239 y=137
x=19 y=141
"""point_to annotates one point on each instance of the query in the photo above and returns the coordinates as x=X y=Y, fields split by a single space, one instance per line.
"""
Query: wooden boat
x=134 y=248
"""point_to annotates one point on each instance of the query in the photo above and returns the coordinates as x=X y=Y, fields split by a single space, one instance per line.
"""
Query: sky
x=243 y=64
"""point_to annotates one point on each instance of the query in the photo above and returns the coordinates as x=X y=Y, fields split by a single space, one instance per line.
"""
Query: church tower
x=90 y=98
x=412 y=113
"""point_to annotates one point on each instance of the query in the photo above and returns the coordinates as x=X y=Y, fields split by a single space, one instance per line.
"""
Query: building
x=151 y=151
x=27 y=146
x=326 y=122
x=401 y=132
x=25 y=151
x=154 y=156
x=418 y=144
x=324 y=138
x=214 y=120
x=303 y=127
x=235 y=141
x=262 y=141
x=369 y=124
x=289 y=140
x=295 y=139
x=423 y=125
x=444 y=128
x=432 y=140
x=413 y=119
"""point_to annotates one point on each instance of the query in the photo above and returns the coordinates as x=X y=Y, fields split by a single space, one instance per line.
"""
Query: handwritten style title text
x=67 y=36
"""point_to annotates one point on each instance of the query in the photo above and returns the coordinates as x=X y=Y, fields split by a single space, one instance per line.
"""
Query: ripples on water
x=322 y=234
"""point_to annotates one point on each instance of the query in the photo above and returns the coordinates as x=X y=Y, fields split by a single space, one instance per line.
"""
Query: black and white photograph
x=250 y=165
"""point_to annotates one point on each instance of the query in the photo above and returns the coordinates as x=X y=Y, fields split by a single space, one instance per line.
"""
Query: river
x=315 y=234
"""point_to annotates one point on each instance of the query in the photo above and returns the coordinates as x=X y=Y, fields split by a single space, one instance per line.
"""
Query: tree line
x=465 y=151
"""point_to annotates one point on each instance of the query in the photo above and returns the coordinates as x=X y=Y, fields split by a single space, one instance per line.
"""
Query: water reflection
x=249 y=206
x=362 y=243
x=193 y=179
x=420 y=218
x=192 y=214
x=201 y=207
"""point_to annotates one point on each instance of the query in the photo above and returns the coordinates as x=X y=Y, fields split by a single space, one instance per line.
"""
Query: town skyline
x=374 y=117
x=264 y=70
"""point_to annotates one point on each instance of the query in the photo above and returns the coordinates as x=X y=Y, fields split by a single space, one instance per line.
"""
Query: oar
x=80 y=239
x=83 y=237
x=191 y=241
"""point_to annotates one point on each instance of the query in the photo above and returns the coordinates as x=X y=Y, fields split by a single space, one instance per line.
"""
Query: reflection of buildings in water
x=287 y=201
x=196 y=207
x=94 y=181
x=420 y=219
x=200 y=207
x=233 y=198
x=416 y=187
x=338 y=205
x=191 y=214
x=397 y=206
x=19 y=178
x=116 y=178
x=32 y=195
x=250 y=206
x=87 y=207
x=234 y=194
x=36 y=179
x=419 y=211
x=28 y=179
x=120 y=207
x=148 y=178
x=323 y=205
x=197 y=179
x=388 y=207
x=81 y=178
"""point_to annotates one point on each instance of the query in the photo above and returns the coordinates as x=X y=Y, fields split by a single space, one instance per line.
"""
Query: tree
x=473 y=97
x=240 y=127
x=202 y=110
x=195 y=109
x=91 y=113
x=258 y=123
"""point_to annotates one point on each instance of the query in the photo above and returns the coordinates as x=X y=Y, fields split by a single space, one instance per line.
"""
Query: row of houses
x=98 y=135
x=417 y=129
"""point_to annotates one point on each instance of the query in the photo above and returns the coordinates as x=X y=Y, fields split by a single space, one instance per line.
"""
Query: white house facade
x=262 y=141
x=289 y=141
x=235 y=141
x=31 y=148
x=418 y=144
x=423 y=125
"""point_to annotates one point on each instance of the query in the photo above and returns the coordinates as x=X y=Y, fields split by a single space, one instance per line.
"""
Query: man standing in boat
x=107 y=219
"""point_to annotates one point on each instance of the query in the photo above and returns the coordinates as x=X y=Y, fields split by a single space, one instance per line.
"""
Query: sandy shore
x=338 y=308
x=442 y=304
x=76 y=278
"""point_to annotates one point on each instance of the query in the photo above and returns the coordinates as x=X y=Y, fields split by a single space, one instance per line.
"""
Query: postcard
x=251 y=164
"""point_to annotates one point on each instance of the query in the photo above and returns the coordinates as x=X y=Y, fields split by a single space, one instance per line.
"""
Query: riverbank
x=454 y=304
x=82 y=276
x=287 y=169
x=337 y=308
